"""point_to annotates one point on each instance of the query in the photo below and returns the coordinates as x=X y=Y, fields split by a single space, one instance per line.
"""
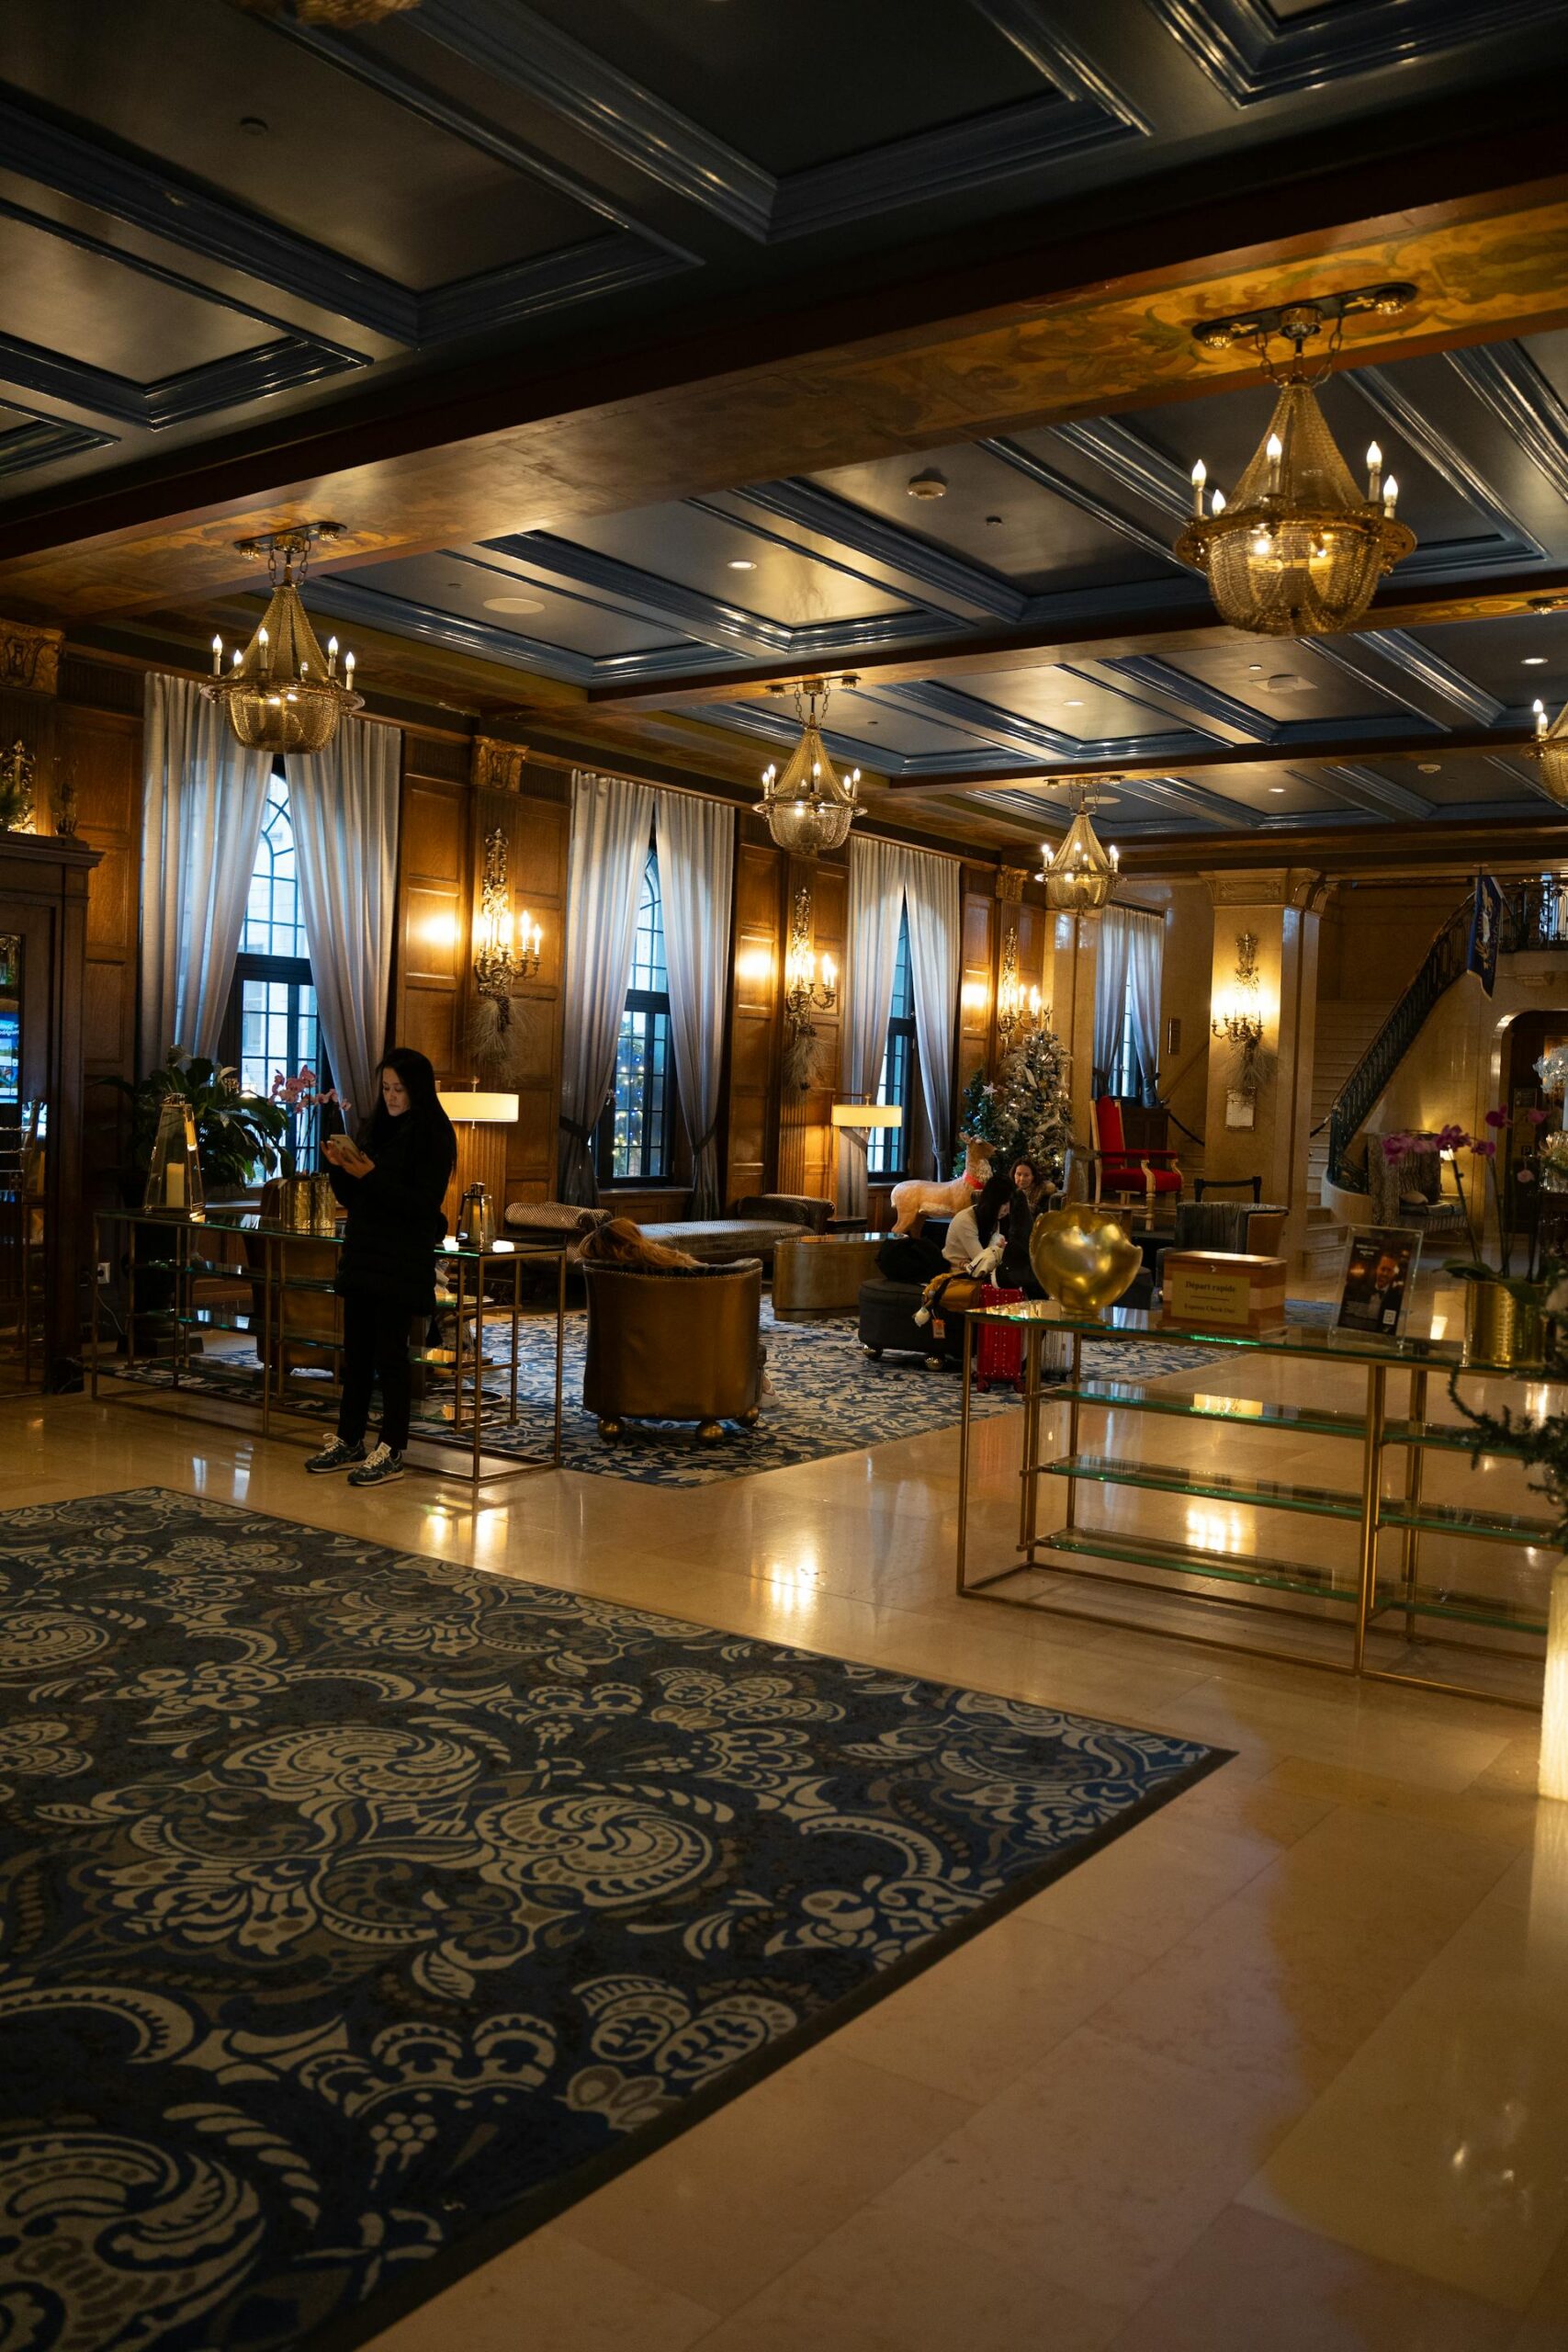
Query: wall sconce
x=1016 y=1009
x=805 y=994
x=1241 y=1019
x=499 y=964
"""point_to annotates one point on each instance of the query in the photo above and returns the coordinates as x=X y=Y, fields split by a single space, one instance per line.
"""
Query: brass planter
x=1503 y=1326
x=1083 y=1256
x=307 y=1205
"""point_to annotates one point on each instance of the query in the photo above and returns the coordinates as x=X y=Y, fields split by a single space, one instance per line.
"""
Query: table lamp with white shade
x=857 y=1119
x=482 y=1117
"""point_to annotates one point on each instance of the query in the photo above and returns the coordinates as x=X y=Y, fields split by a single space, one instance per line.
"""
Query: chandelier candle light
x=1550 y=747
x=1298 y=550
x=805 y=994
x=810 y=807
x=1015 y=1009
x=282 y=694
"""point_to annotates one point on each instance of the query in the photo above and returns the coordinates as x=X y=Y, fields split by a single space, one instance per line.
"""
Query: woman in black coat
x=391 y=1184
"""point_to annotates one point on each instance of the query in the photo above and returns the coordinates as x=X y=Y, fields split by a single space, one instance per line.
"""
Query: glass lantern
x=174 y=1173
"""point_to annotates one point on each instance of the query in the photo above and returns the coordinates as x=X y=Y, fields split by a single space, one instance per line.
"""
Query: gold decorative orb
x=1083 y=1256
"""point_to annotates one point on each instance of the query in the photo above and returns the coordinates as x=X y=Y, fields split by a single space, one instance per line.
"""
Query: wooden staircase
x=1345 y=1027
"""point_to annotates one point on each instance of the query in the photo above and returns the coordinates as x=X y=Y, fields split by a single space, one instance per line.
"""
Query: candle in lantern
x=332 y=657
x=1274 y=450
x=1539 y=709
x=218 y=657
x=1390 y=493
x=1217 y=504
x=1200 y=476
x=1374 y=472
x=174 y=1184
x=348 y=670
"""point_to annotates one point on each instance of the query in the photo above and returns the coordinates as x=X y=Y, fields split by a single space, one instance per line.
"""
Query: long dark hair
x=992 y=1198
x=424 y=1112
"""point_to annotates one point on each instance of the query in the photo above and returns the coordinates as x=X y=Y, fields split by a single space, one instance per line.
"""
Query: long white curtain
x=877 y=874
x=930 y=892
x=1131 y=945
x=696 y=879
x=610 y=821
x=1146 y=966
x=203 y=801
x=343 y=802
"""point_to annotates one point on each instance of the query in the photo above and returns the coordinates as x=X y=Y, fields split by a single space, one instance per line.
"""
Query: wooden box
x=1217 y=1290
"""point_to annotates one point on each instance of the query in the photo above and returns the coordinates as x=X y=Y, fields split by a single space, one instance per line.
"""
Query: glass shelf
x=1194 y=1560
x=1488 y=1526
x=1458 y=1608
x=1262 y=1494
x=1300 y=1420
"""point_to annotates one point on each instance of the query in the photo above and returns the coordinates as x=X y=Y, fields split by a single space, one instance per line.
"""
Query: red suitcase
x=1000 y=1353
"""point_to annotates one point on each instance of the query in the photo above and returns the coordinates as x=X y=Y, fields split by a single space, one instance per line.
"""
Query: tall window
x=888 y=1148
x=635 y=1135
x=272 y=1023
x=1123 y=1076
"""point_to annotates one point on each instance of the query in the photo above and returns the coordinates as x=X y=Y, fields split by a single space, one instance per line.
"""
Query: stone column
x=1281 y=907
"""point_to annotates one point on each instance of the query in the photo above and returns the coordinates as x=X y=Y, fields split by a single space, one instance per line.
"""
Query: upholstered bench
x=887 y=1321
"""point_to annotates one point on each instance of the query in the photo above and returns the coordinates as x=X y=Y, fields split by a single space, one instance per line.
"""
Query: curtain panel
x=203 y=800
x=930 y=892
x=611 y=821
x=343 y=802
x=877 y=873
x=1132 y=947
x=695 y=840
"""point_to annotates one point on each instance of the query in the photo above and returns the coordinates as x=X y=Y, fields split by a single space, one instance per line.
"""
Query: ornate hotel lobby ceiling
x=617 y=330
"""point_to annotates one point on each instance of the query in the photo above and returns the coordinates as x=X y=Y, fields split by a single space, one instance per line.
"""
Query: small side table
x=820 y=1273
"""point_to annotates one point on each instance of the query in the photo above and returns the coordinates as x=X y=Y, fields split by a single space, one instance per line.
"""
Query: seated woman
x=622 y=1242
x=1000 y=1212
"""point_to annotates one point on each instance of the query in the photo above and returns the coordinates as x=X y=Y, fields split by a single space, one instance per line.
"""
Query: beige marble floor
x=1283 y=2068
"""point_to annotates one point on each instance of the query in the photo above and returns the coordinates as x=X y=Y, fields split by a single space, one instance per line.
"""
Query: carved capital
x=29 y=656
x=498 y=767
x=1010 y=880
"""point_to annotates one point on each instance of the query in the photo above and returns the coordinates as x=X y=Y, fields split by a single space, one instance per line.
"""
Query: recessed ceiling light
x=741 y=563
x=993 y=518
x=1430 y=768
x=514 y=603
x=1287 y=683
x=1276 y=787
x=254 y=126
x=1074 y=701
x=1254 y=669
x=930 y=484
x=1535 y=661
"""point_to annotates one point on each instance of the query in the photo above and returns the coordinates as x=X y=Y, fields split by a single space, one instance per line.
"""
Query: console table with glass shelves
x=1387 y=1612
x=228 y=1272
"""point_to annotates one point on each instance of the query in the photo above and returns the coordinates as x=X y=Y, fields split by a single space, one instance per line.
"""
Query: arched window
x=272 y=1024
x=635 y=1135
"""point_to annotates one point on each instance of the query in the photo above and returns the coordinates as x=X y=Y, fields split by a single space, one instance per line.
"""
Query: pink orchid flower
x=1538 y=1119
x=1498 y=1118
x=1485 y=1150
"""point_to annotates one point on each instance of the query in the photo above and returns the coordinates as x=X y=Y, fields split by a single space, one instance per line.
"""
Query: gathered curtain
x=877 y=874
x=931 y=895
x=695 y=840
x=611 y=821
x=1131 y=947
x=203 y=801
x=343 y=803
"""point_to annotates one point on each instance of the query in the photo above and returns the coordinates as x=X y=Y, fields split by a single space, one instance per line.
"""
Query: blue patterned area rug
x=826 y=1395
x=361 y=1912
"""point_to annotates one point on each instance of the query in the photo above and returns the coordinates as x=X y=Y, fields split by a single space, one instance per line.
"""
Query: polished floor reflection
x=1284 y=2067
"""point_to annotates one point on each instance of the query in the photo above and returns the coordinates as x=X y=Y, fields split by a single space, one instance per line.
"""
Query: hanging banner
x=1485 y=924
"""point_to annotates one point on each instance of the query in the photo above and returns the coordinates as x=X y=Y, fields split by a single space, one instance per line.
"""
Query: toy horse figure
x=916 y=1198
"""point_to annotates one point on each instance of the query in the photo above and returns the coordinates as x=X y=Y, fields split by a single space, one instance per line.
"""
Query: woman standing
x=392 y=1185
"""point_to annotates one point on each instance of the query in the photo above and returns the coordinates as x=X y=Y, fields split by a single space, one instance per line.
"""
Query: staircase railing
x=1532 y=915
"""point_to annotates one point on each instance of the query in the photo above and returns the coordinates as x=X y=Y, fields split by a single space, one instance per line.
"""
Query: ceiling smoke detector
x=930 y=484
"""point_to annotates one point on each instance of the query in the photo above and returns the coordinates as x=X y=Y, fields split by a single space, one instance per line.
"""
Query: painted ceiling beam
x=1079 y=325
x=1135 y=630
x=1327 y=752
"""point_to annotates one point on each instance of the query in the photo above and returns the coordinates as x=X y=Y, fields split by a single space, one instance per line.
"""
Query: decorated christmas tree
x=1034 y=1101
x=980 y=1115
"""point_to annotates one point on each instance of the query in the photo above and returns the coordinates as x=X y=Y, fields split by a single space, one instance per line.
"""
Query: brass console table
x=1366 y=1616
x=172 y=1256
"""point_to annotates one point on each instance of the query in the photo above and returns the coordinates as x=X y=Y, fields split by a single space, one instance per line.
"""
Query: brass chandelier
x=1081 y=875
x=283 y=694
x=1298 y=550
x=810 y=807
x=1550 y=747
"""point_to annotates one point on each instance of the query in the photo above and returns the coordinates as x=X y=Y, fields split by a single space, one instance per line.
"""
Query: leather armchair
x=674 y=1344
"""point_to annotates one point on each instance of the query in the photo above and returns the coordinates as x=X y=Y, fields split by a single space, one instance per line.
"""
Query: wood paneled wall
x=533 y=808
x=100 y=753
x=759 y=944
x=431 y=948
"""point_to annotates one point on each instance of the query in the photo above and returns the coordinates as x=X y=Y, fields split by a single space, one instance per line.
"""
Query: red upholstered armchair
x=1129 y=1171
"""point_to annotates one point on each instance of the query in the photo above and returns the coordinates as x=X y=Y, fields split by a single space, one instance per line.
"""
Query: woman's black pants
x=375 y=1347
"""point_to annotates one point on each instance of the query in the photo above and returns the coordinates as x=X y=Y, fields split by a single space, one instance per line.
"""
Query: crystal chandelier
x=503 y=961
x=1017 y=1009
x=805 y=994
x=1081 y=874
x=1550 y=747
x=810 y=807
x=282 y=693
x=1298 y=551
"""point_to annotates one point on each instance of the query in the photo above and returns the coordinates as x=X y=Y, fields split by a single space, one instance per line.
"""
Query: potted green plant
x=1504 y=1313
x=240 y=1136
